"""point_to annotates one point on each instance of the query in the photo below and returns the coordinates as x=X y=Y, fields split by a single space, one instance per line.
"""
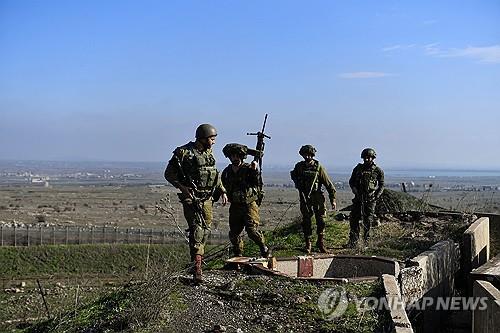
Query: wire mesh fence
x=73 y=235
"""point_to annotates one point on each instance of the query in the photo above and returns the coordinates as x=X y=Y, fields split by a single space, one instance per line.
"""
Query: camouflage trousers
x=364 y=211
x=199 y=226
x=244 y=216
x=314 y=206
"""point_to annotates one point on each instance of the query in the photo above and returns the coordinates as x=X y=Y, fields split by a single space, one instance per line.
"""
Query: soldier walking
x=309 y=177
x=192 y=170
x=367 y=184
x=241 y=180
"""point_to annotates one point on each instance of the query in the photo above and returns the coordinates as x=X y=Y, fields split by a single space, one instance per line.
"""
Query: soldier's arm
x=252 y=176
x=225 y=180
x=294 y=174
x=173 y=173
x=380 y=183
x=326 y=181
x=352 y=181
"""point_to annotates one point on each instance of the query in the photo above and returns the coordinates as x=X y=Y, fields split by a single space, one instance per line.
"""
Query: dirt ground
x=134 y=206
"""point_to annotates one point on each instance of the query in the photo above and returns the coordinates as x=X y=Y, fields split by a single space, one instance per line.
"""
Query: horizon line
x=271 y=165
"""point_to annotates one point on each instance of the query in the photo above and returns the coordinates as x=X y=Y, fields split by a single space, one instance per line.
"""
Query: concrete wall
x=486 y=320
x=476 y=245
x=399 y=318
x=431 y=272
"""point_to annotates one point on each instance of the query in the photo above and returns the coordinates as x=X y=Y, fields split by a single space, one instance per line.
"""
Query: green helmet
x=307 y=149
x=235 y=148
x=368 y=152
x=205 y=131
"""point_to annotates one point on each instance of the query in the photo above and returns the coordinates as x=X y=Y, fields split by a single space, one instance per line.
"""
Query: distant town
x=44 y=173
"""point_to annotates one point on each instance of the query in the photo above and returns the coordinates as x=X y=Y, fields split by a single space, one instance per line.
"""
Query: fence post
x=128 y=235
x=15 y=235
x=151 y=235
x=79 y=235
x=92 y=235
x=41 y=236
x=116 y=235
x=67 y=234
x=28 y=234
x=1 y=234
x=104 y=234
x=53 y=235
x=140 y=236
x=163 y=236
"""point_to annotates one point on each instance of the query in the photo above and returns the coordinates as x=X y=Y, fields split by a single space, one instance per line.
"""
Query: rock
x=300 y=300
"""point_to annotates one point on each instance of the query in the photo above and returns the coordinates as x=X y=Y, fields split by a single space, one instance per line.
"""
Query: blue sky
x=130 y=80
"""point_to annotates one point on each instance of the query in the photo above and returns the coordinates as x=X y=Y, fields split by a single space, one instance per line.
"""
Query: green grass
x=70 y=260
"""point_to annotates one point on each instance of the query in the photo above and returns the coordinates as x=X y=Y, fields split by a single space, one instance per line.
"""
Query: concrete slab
x=476 y=244
x=488 y=272
x=486 y=320
x=399 y=317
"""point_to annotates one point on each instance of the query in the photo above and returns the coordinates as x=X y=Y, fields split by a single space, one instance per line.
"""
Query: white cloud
x=398 y=47
x=485 y=54
x=364 y=75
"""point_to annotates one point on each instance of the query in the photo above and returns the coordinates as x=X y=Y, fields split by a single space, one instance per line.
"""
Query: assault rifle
x=259 y=154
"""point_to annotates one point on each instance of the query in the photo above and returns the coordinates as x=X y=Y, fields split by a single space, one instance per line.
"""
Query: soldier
x=241 y=182
x=192 y=170
x=309 y=176
x=367 y=184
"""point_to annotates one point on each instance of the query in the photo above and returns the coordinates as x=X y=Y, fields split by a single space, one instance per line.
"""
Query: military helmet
x=235 y=148
x=205 y=131
x=307 y=149
x=368 y=152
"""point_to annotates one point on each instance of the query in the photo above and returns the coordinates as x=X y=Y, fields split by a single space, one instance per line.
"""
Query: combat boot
x=197 y=275
x=321 y=244
x=308 y=247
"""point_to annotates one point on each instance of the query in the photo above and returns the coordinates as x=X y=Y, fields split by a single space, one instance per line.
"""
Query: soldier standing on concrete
x=367 y=184
x=241 y=180
x=309 y=176
x=192 y=170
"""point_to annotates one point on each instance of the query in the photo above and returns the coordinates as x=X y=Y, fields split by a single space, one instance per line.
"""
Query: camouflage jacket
x=367 y=180
x=310 y=178
x=195 y=169
x=242 y=185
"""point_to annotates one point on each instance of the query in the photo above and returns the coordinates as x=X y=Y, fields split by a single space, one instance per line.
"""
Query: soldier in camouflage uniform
x=192 y=170
x=309 y=176
x=367 y=184
x=241 y=181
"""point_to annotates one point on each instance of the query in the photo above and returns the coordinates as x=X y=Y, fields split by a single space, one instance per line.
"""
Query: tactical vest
x=367 y=179
x=308 y=177
x=237 y=187
x=200 y=168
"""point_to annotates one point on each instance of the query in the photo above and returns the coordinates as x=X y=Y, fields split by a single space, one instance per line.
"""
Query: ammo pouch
x=245 y=197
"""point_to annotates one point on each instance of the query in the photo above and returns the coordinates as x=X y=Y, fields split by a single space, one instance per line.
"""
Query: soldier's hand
x=254 y=165
x=224 y=199
x=334 y=204
x=186 y=191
